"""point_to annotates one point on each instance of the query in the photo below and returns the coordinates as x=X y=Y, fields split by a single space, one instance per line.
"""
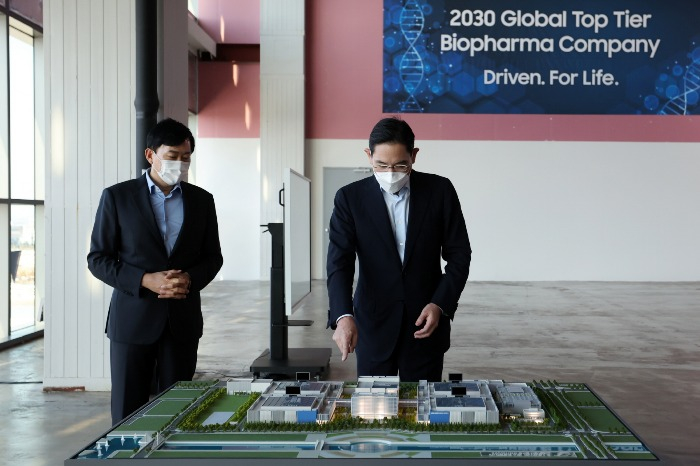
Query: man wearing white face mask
x=399 y=224
x=171 y=172
x=156 y=242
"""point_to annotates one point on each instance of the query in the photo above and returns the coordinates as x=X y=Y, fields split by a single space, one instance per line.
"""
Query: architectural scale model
x=373 y=418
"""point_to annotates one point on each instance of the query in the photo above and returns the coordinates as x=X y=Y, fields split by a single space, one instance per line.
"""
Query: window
x=193 y=7
x=21 y=180
x=22 y=267
x=21 y=115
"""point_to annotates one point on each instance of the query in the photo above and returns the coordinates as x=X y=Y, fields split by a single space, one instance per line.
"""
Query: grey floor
x=636 y=344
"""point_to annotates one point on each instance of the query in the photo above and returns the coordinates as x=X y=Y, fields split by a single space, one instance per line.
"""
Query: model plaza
x=375 y=417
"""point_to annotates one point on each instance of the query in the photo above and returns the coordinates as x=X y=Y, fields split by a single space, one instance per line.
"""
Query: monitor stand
x=279 y=359
x=312 y=360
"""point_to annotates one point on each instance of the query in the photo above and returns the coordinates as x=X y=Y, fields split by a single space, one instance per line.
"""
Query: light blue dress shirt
x=397 y=207
x=168 y=211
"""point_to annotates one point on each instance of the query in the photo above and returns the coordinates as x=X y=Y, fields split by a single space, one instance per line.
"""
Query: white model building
x=378 y=384
x=292 y=408
x=376 y=397
x=423 y=395
x=374 y=405
x=247 y=385
x=295 y=401
x=472 y=388
x=515 y=398
x=305 y=388
x=533 y=414
x=463 y=402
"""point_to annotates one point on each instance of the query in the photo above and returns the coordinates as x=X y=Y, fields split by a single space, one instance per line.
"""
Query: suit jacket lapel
x=376 y=207
x=143 y=205
x=418 y=206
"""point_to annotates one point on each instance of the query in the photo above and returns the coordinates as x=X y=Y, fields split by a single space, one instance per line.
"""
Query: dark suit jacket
x=126 y=243
x=360 y=225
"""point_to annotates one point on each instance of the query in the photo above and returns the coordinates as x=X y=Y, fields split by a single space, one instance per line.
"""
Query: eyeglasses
x=399 y=167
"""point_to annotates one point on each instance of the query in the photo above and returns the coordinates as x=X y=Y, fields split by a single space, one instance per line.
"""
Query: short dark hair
x=391 y=130
x=169 y=132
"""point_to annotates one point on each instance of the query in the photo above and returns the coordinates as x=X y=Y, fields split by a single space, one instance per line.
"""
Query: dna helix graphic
x=411 y=23
x=691 y=86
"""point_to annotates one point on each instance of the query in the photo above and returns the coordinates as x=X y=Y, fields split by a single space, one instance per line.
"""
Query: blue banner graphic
x=603 y=57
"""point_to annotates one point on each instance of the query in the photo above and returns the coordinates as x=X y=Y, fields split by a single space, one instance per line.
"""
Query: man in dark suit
x=156 y=242
x=398 y=223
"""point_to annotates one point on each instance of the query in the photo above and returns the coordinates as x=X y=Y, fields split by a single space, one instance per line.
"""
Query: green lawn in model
x=167 y=407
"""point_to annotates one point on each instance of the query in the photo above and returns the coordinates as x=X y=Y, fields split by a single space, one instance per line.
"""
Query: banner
x=603 y=57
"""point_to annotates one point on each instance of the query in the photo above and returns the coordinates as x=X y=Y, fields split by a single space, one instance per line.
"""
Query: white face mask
x=392 y=182
x=173 y=171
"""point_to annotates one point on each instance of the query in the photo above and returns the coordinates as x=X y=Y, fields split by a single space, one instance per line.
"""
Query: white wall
x=534 y=210
x=89 y=52
x=557 y=210
x=230 y=170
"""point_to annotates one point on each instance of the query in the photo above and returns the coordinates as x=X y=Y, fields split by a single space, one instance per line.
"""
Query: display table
x=375 y=421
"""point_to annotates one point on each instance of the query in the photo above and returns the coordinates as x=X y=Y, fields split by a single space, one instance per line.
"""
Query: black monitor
x=290 y=283
x=459 y=390
x=293 y=390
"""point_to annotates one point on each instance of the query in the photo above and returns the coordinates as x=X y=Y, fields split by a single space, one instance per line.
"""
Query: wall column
x=90 y=128
x=282 y=25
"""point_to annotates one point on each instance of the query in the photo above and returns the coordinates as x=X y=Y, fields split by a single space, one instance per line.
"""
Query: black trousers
x=409 y=359
x=132 y=370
